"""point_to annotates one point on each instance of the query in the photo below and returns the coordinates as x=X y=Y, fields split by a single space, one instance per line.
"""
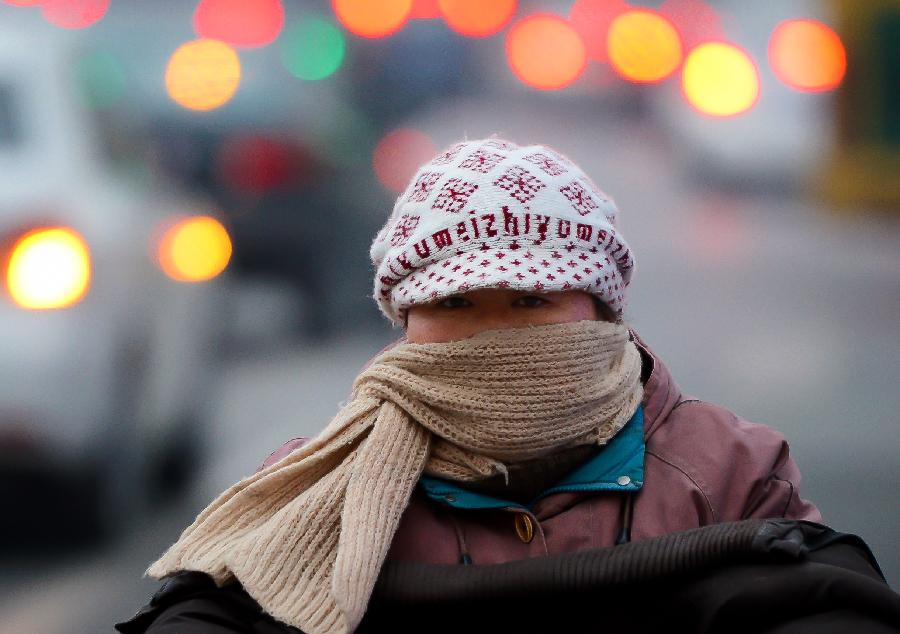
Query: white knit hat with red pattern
x=491 y=214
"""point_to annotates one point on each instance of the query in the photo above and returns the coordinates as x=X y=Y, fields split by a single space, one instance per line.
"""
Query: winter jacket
x=765 y=576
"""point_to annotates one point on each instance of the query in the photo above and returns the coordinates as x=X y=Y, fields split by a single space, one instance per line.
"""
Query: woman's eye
x=454 y=302
x=530 y=301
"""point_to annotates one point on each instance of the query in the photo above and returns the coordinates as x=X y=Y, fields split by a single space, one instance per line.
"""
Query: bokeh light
x=74 y=14
x=695 y=20
x=241 y=23
x=49 y=268
x=203 y=74
x=545 y=51
x=477 y=18
x=720 y=79
x=425 y=9
x=194 y=249
x=591 y=18
x=255 y=163
x=312 y=49
x=101 y=78
x=372 y=18
x=399 y=154
x=807 y=55
x=23 y=3
x=643 y=46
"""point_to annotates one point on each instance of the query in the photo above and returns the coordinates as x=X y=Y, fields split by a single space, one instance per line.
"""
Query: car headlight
x=48 y=268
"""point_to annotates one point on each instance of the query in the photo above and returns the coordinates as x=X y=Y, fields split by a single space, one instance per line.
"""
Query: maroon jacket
x=702 y=465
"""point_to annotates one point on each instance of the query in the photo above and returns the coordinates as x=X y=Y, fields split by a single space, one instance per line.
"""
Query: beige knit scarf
x=306 y=537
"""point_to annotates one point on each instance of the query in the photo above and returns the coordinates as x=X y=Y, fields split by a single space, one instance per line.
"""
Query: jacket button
x=623 y=480
x=524 y=527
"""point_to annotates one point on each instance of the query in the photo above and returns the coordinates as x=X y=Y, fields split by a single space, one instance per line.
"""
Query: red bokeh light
x=695 y=21
x=255 y=163
x=74 y=14
x=591 y=18
x=244 y=23
x=399 y=154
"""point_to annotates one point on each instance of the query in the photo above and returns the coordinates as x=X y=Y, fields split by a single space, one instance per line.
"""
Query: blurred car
x=101 y=395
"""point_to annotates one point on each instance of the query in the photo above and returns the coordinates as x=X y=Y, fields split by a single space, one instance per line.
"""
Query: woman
x=519 y=417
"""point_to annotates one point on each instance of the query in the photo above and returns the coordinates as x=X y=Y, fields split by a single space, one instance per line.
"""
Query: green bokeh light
x=312 y=49
x=101 y=78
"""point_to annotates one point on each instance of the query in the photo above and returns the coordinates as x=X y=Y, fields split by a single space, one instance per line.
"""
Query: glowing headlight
x=49 y=268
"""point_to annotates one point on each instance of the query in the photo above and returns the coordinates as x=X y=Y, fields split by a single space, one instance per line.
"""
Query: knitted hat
x=491 y=214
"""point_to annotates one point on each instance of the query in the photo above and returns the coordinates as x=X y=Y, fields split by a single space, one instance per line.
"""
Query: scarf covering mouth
x=306 y=537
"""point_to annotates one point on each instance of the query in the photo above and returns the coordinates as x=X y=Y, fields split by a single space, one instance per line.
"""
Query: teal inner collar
x=617 y=466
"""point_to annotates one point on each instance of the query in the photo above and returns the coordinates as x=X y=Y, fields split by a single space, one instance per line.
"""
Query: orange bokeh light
x=399 y=154
x=203 y=74
x=194 y=249
x=244 y=23
x=477 y=18
x=372 y=18
x=591 y=18
x=720 y=79
x=807 y=55
x=74 y=14
x=643 y=46
x=545 y=51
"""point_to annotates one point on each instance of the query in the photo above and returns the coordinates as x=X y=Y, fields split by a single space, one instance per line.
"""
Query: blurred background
x=188 y=191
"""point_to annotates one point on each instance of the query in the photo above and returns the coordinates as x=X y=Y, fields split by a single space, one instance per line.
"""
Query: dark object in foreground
x=773 y=576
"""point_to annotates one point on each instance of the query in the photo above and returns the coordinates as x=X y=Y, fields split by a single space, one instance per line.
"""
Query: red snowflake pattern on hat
x=453 y=195
x=579 y=197
x=423 y=186
x=547 y=164
x=482 y=161
x=520 y=183
x=404 y=228
x=449 y=155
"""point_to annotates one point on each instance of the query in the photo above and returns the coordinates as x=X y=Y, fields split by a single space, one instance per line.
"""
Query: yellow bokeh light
x=194 y=249
x=49 y=268
x=720 y=79
x=203 y=74
x=643 y=46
